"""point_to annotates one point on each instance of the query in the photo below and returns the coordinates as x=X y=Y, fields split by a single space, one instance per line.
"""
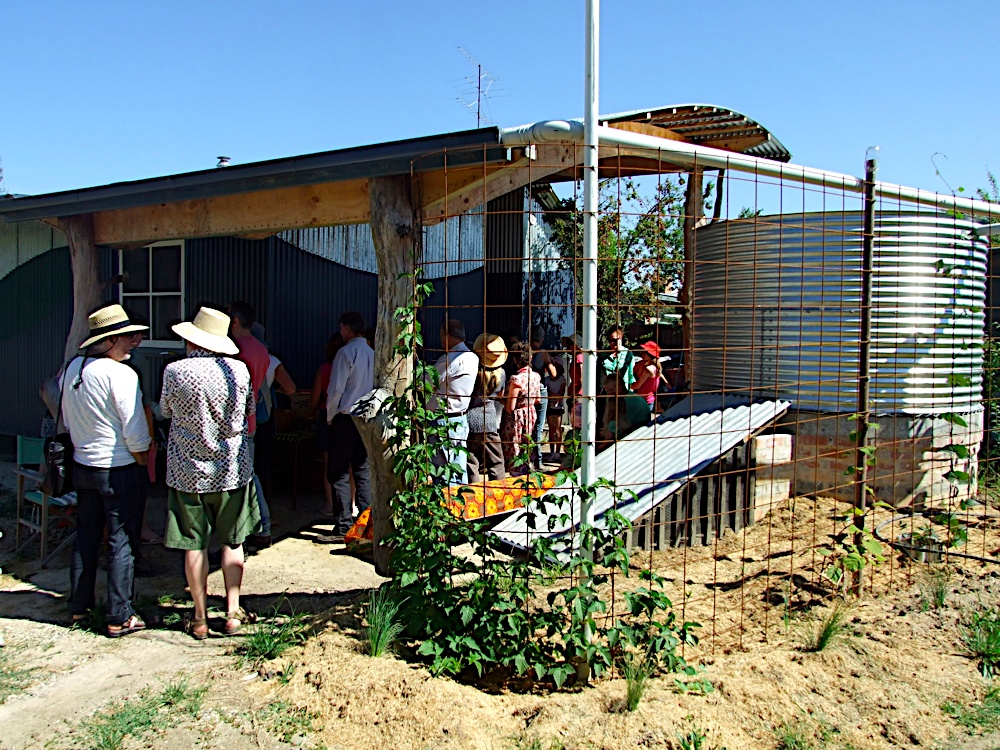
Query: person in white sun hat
x=102 y=408
x=208 y=398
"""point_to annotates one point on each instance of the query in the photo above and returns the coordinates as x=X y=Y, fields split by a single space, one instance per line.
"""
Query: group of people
x=494 y=401
x=499 y=396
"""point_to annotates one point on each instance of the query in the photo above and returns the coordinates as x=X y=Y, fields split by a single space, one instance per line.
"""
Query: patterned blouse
x=208 y=398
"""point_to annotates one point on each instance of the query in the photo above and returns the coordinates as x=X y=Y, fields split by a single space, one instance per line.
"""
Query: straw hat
x=209 y=330
x=110 y=320
x=491 y=350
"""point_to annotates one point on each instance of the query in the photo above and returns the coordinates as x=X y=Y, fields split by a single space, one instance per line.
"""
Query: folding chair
x=30 y=457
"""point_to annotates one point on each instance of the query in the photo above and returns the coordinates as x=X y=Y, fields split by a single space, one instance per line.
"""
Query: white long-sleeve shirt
x=104 y=415
x=351 y=377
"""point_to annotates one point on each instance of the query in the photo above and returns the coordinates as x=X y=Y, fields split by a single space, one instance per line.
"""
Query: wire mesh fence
x=782 y=423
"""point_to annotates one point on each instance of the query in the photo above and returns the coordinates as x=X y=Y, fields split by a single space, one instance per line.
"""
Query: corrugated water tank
x=776 y=310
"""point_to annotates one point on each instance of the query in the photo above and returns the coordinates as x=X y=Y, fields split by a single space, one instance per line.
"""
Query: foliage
x=694 y=739
x=983 y=716
x=793 y=737
x=135 y=715
x=271 y=636
x=382 y=614
x=640 y=240
x=849 y=556
x=825 y=630
x=484 y=611
x=636 y=670
x=981 y=640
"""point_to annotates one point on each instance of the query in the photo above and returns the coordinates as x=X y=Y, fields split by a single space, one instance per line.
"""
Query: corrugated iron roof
x=708 y=125
x=653 y=462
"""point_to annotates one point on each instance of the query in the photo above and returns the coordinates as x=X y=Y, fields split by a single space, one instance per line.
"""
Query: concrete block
x=768 y=450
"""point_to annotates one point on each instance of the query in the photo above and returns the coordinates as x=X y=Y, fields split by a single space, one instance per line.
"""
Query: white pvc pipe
x=588 y=431
x=691 y=155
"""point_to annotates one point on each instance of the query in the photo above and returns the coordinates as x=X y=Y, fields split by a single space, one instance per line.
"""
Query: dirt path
x=73 y=674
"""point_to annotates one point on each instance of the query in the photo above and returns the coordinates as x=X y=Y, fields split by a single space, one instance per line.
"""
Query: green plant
x=825 y=630
x=287 y=673
x=793 y=737
x=694 y=739
x=287 y=721
x=983 y=716
x=135 y=715
x=384 y=627
x=12 y=679
x=934 y=584
x=271 y=636
x=483 y=611
x=636 y=670
x=981 y=640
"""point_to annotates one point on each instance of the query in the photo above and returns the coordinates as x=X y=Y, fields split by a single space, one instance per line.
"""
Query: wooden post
x=86 y=281
x=397 y=243
x=694 y=208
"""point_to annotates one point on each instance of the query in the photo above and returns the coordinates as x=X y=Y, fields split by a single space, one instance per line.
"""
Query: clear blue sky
x=98 y=92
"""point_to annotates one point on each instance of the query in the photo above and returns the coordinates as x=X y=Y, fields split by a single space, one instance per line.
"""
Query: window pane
x=135 y=266
x=167 y=268
x=137 y=309
x=166 y=312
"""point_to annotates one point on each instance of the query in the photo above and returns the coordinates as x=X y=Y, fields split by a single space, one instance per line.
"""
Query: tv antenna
x=475 y=90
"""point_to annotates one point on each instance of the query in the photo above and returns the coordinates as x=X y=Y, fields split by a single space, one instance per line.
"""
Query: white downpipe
x=690 y=155
x=588 y=433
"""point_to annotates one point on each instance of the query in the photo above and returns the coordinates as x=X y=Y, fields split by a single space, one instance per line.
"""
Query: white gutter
x=691 y=155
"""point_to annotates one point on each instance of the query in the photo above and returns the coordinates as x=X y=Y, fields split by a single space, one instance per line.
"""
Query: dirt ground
x=756 y=593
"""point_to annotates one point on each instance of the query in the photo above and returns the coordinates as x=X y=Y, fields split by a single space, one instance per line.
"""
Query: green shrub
x=981 y=640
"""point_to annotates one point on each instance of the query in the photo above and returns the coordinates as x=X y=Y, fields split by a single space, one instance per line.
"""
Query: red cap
x=652 y=347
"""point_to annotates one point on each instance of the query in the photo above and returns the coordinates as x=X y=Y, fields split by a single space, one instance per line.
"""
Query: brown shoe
x=329 y=539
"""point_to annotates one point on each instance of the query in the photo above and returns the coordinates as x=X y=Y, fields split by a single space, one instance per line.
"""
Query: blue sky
x=101 y=92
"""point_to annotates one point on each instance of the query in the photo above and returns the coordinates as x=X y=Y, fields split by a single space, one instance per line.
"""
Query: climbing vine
x=471 y=608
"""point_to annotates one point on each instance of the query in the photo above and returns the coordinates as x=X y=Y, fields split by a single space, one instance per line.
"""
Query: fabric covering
x=468 y=501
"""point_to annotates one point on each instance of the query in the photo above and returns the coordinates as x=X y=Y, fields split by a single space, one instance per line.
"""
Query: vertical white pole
x=590 y=204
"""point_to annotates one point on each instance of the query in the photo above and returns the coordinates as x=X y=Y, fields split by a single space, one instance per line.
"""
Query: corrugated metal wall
x=306 y=296
x=504 y=294
x=220 y=270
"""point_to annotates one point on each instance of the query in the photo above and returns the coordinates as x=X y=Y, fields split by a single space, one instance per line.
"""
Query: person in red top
x=317 y=403
x=255 y=356
x=648 y=372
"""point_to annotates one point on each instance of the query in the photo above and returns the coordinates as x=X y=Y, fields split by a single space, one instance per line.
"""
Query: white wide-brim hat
x=209 y=330
x=110 y=320
x=491 y=350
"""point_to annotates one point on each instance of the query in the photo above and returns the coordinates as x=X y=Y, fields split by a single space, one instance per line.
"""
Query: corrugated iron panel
x=458 y=297
x=21 y=242
x=776 y=310
x=220 y=270
x=653 y=462
x=306 y=296
x=450 y=248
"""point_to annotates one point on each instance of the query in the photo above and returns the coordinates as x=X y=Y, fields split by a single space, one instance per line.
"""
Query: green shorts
x=232 y=515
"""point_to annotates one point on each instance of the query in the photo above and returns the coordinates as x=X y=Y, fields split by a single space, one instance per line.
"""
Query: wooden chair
x=30 y=458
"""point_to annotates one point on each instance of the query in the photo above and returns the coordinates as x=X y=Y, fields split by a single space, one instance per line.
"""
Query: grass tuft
x=637 y=671
x=981 y=640
x=382 y=614
x=824 y=631
x=271 y=636
x=12 y=679
x=287 y=721
x=935 y=584
x=135 y=715
x=793 y=737
x=982 y=717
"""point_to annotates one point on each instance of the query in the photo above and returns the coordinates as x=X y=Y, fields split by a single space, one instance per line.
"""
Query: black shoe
x=329 y=539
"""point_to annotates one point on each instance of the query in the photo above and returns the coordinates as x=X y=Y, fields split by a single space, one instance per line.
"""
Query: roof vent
x=223 y=161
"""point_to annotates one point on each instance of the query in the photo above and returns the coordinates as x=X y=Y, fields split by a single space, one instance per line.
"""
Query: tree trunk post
x=397 y=243
x=79 y=231
x=693 y=215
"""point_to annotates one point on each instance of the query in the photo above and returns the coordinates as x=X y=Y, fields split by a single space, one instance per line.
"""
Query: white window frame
x=122 y=294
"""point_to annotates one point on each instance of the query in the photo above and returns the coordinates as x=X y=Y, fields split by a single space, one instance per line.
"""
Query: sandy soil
x=881 y=686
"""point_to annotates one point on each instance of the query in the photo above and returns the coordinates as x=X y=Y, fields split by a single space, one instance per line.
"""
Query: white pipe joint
x=548 y=131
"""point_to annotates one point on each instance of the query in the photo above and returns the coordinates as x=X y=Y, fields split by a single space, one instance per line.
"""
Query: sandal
x=131 y=625
x=238 y=617
x=197 y=628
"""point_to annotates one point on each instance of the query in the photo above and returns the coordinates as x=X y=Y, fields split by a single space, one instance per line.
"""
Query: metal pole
x=864 y=364
x=588 y=433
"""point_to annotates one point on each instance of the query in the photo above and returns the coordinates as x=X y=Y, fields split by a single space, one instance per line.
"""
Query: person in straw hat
x=485 y=449
x=102 y=408
x=209 y=398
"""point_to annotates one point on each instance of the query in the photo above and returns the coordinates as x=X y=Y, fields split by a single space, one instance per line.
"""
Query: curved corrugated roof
x=708 y=125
